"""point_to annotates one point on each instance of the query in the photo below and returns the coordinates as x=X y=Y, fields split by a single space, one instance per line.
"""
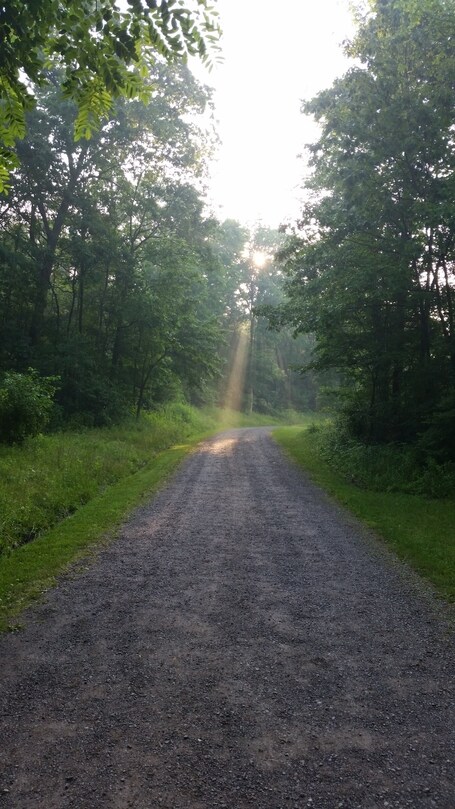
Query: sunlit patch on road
x=222 y=446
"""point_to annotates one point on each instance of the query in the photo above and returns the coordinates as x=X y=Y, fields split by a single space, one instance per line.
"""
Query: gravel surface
x=243 y=643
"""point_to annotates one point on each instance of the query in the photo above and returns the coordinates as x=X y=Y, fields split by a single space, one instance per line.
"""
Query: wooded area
x=119 y=291
x=115 y=285
x=370 y=265
x=126 y=305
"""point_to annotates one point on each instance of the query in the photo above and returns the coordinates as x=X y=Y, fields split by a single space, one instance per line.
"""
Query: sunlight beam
x=236 y=383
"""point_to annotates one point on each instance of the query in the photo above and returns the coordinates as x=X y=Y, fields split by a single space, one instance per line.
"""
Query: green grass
x=51 y=476
x=60 y=494
x=421 y=531
x=32 y=568
x=232 y=418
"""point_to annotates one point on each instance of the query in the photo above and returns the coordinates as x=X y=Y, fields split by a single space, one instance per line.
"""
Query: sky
x=275 y=54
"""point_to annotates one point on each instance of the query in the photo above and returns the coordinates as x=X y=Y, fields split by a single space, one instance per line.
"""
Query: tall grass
x=51 y=476
x=388 y=468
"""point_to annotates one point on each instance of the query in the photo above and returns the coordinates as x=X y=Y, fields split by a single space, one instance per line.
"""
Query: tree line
x=117 y=288
x=371 y=264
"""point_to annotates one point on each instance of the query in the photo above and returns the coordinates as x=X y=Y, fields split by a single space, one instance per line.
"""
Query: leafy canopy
x=371 y=266
x=105 y=53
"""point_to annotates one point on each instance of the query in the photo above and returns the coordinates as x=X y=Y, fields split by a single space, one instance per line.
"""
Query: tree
x=262 y=366
x=104 y=53
x=152 y=144
x=371 y=263
x=103 y=259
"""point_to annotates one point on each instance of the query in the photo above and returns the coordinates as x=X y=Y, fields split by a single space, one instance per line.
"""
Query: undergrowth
x=387 y=468
x=51 y=476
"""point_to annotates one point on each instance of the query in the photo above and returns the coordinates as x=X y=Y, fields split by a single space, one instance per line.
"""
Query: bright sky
x=275 y=55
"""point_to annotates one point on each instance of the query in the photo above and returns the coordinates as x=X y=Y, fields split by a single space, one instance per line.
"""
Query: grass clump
x=385 y=467
x=51 y=476
x=420 y=530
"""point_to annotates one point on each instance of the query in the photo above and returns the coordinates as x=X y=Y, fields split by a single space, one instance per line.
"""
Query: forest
x=116 y=287
x=122 y=294
x=370 y=265
x=227 y=443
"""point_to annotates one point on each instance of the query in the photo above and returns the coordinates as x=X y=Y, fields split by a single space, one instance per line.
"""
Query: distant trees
x=274 y=359
x=281 y=377
x=114 y=283
x=370 y=265
x=103 y=50
x=117 y=290
x=104 y=268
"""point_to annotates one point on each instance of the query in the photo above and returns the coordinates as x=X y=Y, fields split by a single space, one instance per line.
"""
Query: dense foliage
x=105 y=50
x=114 y=280
x=103 y=263
x=26 y=402
x=370 y=265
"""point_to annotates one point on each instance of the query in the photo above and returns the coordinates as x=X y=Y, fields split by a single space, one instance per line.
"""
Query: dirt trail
x=242 y=644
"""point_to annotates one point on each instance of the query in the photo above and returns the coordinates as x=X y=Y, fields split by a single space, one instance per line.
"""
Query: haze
x=273 y=58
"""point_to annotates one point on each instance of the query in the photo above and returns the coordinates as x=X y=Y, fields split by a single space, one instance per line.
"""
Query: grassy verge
x=421 y=531
x=51 y=476
x=31 y=569
x=60 y=494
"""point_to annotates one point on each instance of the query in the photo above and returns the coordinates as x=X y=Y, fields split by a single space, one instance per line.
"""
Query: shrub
x=438 y=439
x=26 y=402
x=385 y=467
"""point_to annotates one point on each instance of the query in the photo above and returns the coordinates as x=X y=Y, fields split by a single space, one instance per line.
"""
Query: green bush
x=438 y=439
x=384 y=467
x=26 y=402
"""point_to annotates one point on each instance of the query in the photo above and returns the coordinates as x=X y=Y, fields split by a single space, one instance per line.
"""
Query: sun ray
x=236 y=383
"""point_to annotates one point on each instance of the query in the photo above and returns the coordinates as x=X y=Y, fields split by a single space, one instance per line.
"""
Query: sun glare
x=260 y=259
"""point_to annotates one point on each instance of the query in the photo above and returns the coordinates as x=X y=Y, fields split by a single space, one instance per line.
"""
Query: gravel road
x=242 y=643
